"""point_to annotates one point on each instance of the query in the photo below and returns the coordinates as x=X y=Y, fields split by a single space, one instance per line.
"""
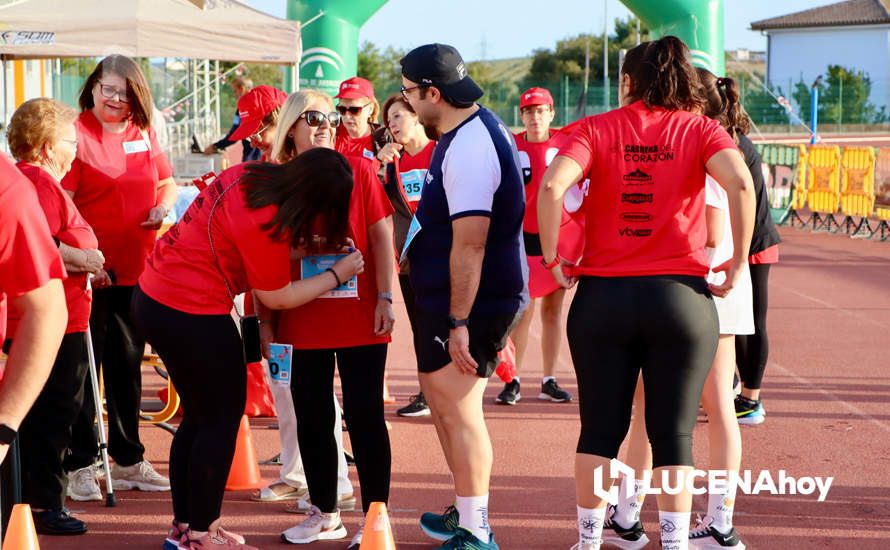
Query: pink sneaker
x=216 y=538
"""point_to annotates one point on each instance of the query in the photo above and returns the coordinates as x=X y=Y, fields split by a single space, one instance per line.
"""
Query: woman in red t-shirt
x=359 y=135
x=643 y=303
x=350 y=326
x=236 y=235
x=122 y=184
x=42 y=138
x=406 y=161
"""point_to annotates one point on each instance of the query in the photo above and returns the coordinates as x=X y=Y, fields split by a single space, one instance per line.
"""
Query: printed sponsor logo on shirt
x=631 y=232
x=648 y=153
x=636 y=217
x=636 y=198
x=637 y=177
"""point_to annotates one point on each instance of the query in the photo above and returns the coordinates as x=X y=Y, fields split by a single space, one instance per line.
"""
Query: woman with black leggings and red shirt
x=643 y=304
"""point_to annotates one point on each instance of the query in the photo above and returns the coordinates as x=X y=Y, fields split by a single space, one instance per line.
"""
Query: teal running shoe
x=440 y=526
x=465 y=540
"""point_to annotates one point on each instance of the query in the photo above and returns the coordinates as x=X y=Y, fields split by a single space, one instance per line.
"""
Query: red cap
x=355 y=87
x=253 y=107
x=535 y=96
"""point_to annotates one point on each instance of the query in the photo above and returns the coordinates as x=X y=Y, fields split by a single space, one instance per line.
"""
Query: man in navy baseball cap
x=441 y=66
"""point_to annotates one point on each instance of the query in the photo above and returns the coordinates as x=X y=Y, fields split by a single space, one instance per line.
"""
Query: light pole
x=814 y=109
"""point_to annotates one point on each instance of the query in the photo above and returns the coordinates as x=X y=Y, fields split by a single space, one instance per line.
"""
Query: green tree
x=382 y=68
x=843 y=98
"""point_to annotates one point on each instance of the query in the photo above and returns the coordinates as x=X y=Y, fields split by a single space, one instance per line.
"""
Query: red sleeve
x=377 y=205
x=266 y=262
x=53 y=208
x=581 y=146
x=158 y=157
x=28 y=256
x=71 y=181
x=715 y=139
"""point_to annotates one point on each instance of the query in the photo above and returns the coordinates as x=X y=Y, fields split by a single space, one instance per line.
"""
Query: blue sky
x=494 y=29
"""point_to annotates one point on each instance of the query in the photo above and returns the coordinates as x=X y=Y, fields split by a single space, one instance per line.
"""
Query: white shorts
x=736 y=311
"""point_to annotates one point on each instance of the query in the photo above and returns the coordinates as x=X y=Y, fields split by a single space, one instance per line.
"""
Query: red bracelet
x=550 y=265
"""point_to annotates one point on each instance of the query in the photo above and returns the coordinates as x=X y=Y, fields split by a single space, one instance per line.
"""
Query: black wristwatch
x=7 y=434
x=456 y=323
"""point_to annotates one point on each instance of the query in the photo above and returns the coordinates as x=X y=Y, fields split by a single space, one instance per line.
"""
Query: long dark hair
x=138 y=92
x=722 y=103
x=312 y=192
x=662 y=76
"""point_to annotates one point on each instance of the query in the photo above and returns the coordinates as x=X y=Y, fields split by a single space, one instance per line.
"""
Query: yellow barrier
x=799 y=200
x=857 y=189
x=823 y=185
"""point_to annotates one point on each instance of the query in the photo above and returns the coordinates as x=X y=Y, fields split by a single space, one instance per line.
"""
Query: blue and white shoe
x=465 y=540
x=749 y=412
x=440 y=526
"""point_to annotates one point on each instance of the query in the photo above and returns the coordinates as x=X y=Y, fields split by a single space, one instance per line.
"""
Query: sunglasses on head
x=354 y=111
x=316 y=118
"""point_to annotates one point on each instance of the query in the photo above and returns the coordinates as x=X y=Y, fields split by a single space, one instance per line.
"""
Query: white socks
x=473 y=515
x=590 y=526
x=674 y=530
x=721 y=507
x=627 y=511
x=547 y=379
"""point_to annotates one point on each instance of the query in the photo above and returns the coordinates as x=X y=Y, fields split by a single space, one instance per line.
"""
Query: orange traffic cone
x=245 y=471
x=20 y=535
x=378 y=531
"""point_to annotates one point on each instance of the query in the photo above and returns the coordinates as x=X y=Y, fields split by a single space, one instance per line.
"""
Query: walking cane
x=110 y=500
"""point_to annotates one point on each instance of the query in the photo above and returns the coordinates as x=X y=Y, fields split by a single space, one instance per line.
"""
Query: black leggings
x=361 y=375
x=752 y=350
x=666 y=326
x=204 y=357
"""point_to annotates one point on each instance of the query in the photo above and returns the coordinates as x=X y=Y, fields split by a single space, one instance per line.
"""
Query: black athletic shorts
x=488 y=336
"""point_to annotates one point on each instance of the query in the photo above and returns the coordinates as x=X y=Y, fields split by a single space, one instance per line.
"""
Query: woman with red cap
x=258 y=110
x=123 y=185
x=537 y=147
x=359 y=135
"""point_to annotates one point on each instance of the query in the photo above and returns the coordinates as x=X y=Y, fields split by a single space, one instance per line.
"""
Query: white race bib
x=280 y=361
x=136 y=146
x=314 y=265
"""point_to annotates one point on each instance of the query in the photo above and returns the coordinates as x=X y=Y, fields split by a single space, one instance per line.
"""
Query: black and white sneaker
x=705 y=537
x=416 y=407
x=630 y=538
x=550 y=391
x=510 y=395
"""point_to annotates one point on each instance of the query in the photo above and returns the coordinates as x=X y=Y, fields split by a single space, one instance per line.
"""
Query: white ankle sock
x=590 y=526
x=547 y=379
x=627 y=511
x=516 y=379
x=473 y=515
x=721 y=507
x=674 y=530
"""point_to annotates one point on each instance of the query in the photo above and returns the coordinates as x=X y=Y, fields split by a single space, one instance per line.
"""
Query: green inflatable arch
x=330 y=42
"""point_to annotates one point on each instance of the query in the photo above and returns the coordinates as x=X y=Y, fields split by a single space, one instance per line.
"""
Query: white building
x=854 y=34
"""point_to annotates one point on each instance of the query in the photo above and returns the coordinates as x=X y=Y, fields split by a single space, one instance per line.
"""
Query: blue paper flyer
x=413 y=230
x=280 y=359
x=313 y=265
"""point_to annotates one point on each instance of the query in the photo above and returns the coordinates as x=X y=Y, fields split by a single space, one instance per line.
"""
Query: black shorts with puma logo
x=488 y=336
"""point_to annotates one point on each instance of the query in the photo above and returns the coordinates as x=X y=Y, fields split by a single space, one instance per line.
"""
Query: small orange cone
x=20 y=535
x=245 y=471
x=378 y=531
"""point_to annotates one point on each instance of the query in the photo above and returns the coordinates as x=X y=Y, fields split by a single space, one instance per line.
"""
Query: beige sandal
x=277 y=492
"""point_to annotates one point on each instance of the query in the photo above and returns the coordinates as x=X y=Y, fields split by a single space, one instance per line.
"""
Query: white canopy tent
x=225 y=30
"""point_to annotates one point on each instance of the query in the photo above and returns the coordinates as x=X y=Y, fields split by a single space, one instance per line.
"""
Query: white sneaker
x=357 y=538
x=316 y=526
x=83 y=485
x=140 y=476
x=581 y=546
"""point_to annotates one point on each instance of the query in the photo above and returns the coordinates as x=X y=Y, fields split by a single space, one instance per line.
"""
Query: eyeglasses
x=405 y=90
x=354 y=111
x=257 y=135
x=317 y=118
x=110 y=92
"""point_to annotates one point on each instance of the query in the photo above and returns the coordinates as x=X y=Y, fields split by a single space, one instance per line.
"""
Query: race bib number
x=412 y=183
x=136 y=146
x=280 y=360
x=413 y=230
x=314 y=265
